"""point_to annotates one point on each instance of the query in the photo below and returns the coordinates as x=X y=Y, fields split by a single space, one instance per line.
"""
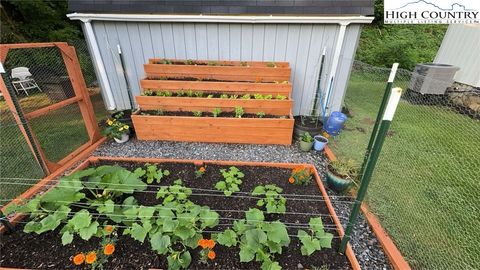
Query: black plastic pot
x=299 y=129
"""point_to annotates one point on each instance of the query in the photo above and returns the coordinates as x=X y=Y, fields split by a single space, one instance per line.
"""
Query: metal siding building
x=280 y=36
x=461 y=48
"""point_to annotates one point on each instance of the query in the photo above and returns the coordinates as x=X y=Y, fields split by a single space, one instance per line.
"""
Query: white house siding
x=299 y=44
x=461 y=48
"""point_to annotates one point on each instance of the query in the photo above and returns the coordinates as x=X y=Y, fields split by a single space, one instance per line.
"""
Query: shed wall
x=461 y=48
x=299 y=44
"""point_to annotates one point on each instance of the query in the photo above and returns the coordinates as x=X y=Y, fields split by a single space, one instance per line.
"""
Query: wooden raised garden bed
x=303 y=202
x=219 y=70
x=271 y=99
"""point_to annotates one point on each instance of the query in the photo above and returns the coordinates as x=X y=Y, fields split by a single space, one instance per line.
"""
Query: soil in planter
x=308 y=122
x=209 y=114
x=184 y=63
x=45 y=251
x=161 y=78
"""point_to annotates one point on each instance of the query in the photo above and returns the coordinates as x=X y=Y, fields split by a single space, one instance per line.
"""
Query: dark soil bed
x=208 y=114
x=308 y=122
x=212 y=94
x=46 y=251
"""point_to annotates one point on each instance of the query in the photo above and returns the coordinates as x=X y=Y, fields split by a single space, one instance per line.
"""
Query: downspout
x=99 y=64
x=336 y=58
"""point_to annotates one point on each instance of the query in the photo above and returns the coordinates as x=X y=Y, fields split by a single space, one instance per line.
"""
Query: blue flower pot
x=319 y=142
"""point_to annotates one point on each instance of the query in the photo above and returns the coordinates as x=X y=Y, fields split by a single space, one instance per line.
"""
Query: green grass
x=59 y=132
x=426 y=188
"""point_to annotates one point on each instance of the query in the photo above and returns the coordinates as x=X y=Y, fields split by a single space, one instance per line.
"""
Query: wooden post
x=76 y=77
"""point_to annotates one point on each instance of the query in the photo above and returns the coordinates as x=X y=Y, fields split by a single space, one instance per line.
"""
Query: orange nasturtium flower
x=211 y=255
x=202 y=169
x=109 y=228
x=78 y=259
x=203 y=243
x=109 y=249
x=291 y=180
x=210 y=244
x=91 y=257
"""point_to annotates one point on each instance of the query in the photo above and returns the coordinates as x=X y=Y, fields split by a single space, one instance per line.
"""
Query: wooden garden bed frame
x=214 y=129
x=253 y=73
x=92 y=160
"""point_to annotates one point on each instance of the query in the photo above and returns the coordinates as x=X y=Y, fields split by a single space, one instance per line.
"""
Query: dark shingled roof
x=254 y=7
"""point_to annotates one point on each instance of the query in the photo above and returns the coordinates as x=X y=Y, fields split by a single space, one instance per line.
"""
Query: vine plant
x=232 y=181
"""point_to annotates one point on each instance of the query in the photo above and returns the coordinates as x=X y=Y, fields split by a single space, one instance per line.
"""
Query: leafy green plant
x=190 y=93
x=116 y=128
x=272 y=201
x=281 y=97
x=197 y=113
x=306 y=137
x=258 y=96
x=315 y=239
x=148 y=93
x=216 y=112
x=234 y=97
x=166 y=62
x=210 y=96
x=344 y=168
x=180 y=93
x=239 y=112
x=225 y=96
x=152 y=173
x=267 y=96
x=167 y=93
x=232 y=181
x=301 y=175
x=260 y=114
x=257 y=239
x=200 y=172
x=243 y=64
x=271 y=64
x=246 y=96
x=175 y=192
x=159 y=94
x=212 y=63
x=189 y=62
x=199 y=94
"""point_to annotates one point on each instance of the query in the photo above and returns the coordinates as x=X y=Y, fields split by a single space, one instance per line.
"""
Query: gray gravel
x=364 y=243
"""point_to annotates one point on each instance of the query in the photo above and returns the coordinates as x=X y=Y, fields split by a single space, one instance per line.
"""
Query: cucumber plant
x=174 y=193
x=272 y=201
x=232 y=181
x=315 y=239
x=258 y=239
x=152 y=173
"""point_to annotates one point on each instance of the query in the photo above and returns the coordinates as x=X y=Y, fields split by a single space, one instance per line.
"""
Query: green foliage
x=281 y=97
x=216 y=112
x=258 y=96
x=344 y=168
x=190 y=93
x=315 y=239
x=267 y=96
x=239 y=112
x=225 y=96
x=165 y=62
x=232 y=181
x=199 y=94
x=272 y=201
x=175 y=193
x=306 y=137
x=271 y=64
x=152 y=173
x=158 y=112
x=189 y=62
x=180 y=93
x=243 y=64
x=246 y=96
x=115 y=128
x=148 y=92
x=212 y=63
x=197 y=113
x=167 y=93
x=210 y=96
x=258 y=239
x=234 y=97
x=260 y=114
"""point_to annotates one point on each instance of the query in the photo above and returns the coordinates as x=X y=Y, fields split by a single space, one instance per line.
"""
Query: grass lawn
x=426 y=186
x=60 y=132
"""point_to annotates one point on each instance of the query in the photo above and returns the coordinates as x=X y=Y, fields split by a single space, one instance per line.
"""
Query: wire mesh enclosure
x=425 y=188
x=46 y=113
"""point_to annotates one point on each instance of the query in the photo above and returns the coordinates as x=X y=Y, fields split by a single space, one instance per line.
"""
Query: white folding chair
x=22 y=80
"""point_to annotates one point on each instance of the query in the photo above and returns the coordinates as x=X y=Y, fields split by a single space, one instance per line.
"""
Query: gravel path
x=364 y=243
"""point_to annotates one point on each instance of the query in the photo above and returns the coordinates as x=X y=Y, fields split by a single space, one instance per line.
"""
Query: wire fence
x=37 y=78
x=426 y=188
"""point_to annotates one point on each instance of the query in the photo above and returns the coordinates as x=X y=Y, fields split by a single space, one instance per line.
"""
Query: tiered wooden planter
x=216 y=79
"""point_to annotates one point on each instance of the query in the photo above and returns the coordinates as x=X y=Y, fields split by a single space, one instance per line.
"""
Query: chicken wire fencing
x=425 y=189
x=37 y=78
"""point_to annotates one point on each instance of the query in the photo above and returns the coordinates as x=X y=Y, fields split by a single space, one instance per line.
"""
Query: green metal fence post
x=376 y=149
x=381 y=110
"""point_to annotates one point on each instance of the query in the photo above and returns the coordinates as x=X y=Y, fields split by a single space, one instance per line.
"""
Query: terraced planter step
x=217 y=130
x=253 y=73
x=238 y=88
x=32 y=251
x=190 y=104
x=218 y=63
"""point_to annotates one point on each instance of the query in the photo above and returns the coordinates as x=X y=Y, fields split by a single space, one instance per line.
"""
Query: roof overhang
x=275 y=19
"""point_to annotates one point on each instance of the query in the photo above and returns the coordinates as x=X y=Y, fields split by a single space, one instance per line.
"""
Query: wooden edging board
x=93 y=159
x=190 y=104
x=230 y=63
x=214 y=129
x=227 y=73
x=238 y=88
x=396 y=259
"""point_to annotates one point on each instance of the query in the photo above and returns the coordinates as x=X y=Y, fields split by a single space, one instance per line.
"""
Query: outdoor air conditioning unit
x=431 y=78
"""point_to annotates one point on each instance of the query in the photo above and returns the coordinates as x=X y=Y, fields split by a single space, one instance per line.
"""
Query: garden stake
x=319 y=87
x=393 y=101
x=381 y=110
x=6 y=223
x=127 y=82
x=327 y=100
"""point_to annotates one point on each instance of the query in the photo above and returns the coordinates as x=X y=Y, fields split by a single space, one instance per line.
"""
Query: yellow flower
x=125 y=127
x=109 y=122
x=120 y=129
